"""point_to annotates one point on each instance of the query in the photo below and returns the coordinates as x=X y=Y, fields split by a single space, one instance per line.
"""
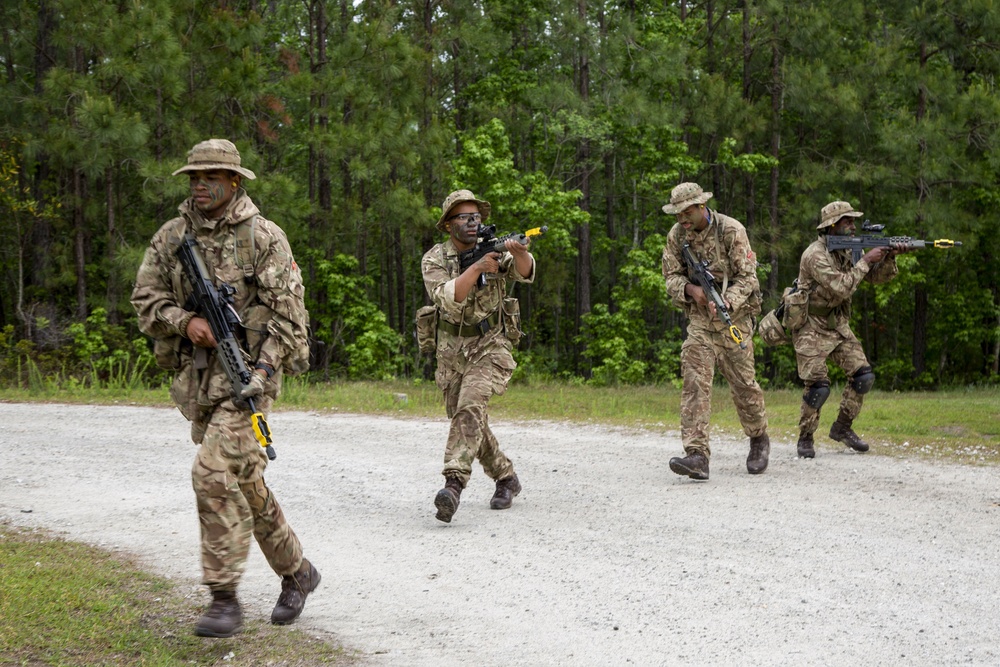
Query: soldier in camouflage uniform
x=723 y=242
x=245 y=250
x=474 y=345
x=830 y=278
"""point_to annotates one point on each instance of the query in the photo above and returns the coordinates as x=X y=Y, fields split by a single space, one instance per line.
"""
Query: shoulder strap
x=245 y=247
x=717 y=221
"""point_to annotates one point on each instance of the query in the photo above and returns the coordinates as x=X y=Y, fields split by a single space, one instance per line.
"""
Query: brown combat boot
x=760 y=449
x=446 y=500
x=507 y=488
x=694 y=465
x=841 y=432
x=805 y=446
x=223 y=619
x=294 y=589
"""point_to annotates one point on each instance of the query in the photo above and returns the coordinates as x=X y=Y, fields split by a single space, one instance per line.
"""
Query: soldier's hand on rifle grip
x=876 y=255
x=696 y=293
x=200 y=332
x=489 y=263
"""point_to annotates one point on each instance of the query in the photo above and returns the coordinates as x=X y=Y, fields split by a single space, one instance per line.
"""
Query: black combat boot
x=507 y=488
x=760 y=449
x=694 y=465
x=447 y=498
x=805 y=446
x=223 y=619
x=841 y=432
x=294 y=589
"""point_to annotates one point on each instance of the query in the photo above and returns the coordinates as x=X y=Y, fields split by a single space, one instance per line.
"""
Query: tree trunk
x=748 y=178
x=112 y=293
x=920 y=291
x=774 y=288
x=583 y=300
x=79 y=245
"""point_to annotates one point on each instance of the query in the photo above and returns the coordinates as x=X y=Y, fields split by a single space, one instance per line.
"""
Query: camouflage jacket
x=831 y=280
x=725 y=245
x=440 y=268
x=269 y=299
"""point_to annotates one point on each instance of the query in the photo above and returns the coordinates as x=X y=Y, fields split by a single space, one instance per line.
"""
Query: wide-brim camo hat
x=215 y=154
x=685 y=195
x=454 y=199
x=834 y=211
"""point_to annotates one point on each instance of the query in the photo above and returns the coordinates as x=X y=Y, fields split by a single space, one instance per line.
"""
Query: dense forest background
x=360 y=116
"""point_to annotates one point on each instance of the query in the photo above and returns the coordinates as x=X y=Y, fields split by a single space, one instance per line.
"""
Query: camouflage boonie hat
x=834 y=211
x=685 y=195
x=454 y=199
x=215 y=154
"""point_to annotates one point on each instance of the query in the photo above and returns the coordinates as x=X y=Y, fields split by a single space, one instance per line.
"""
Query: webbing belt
x=469 y=329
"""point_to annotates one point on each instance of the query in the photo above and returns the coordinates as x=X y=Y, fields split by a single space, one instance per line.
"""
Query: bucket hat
x=685 y=195
x=834 y=211
x=454 y=199
x=215 y=154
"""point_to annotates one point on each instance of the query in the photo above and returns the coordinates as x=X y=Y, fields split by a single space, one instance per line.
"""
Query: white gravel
x=606 y=558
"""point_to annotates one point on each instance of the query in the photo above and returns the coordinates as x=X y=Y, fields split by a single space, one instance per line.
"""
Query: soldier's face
x=843 y=227
x=464 y=222
x=212 y=190
x=693 y=217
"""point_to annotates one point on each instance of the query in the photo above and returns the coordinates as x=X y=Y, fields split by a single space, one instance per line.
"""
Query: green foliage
x=361 y=345
x=105 y=350
x=619 y=344
x=66 y=603
x=582 y=122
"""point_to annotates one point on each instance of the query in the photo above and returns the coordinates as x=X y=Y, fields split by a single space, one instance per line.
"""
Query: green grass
x=960 y=424
x=65 y=603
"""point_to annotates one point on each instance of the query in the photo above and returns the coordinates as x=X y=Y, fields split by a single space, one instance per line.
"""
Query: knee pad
x=817 y=394
x=863 y=379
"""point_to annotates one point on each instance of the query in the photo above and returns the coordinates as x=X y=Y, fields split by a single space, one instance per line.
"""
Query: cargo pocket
x=426 y=329
x=503 y=369
x=796 y=303
x=167 y=352
x=512 y=319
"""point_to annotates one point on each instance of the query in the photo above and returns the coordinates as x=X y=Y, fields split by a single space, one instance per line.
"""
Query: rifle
x=487 y=242
x=216 y=306
x=877 y=239
x=706 y=281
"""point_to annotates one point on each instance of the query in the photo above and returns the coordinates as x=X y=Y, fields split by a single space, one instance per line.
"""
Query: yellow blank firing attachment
x=262 y=432
x=737 y=336
x=537 y=231
x=946 y=243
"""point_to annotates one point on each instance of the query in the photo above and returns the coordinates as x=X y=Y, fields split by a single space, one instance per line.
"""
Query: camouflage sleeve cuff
x=182 y=324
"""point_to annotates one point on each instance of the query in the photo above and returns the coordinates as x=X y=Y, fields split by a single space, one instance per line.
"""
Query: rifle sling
x=469 y=330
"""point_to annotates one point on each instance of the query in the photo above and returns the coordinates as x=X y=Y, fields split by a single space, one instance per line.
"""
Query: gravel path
x=606 y=558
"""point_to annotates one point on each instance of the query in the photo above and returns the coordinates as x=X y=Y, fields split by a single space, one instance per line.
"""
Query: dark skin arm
x=491 y=264
x=200 y=333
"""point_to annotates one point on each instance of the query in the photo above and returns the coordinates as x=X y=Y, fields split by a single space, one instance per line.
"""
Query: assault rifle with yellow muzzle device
x=488 y=242
x=877 y=239
x=706 y=281
x=216 y=306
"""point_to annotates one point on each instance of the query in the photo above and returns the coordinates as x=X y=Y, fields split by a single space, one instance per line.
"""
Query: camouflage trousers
x=814 y=344
x=467 y=392
x=235 y=503
x=700 y=353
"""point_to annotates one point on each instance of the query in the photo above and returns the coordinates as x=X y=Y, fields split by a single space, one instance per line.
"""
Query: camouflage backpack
x=255 y=319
